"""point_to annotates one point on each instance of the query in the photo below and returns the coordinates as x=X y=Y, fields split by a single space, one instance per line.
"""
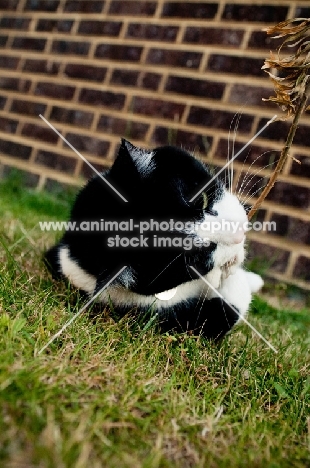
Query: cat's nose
x=238 y=237
x=234 y=231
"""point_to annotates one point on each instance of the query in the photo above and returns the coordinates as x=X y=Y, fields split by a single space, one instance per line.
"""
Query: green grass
x=115 y=394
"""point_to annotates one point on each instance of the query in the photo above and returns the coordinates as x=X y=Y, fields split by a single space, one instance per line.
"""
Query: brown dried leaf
x=291 y=87
x=293 y=69
x=282 y=28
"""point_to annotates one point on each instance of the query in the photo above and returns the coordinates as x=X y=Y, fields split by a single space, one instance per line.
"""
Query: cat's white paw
x=236 y=290
x=255 y=281
x=215 y=277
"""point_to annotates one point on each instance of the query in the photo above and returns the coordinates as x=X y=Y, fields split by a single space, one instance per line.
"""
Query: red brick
x=174 y=58
x=9 y=62
x=256 y=156
x=199 y=10
x=152 y=32
x=250 y=95
x=100 y=28
x=157 y=108
x=149 y=80
x=189 y=140
x=275 y=259
x=256 y=13
x=2 y=102
x=130 y=8
x=282 y=193
x=41 y=66
x=217 y=36
x=94 y=97
x=260 y=215
x=3 y=40
x=86 y=144
x=8 y=4
x=70 y=47
x=119 y=52
x=42 y=5
x=16 y=150
x=72 y=116
x=37 y=132
x=59 y=162
x=27 y=107
x=55 y=91
x=8 y=125
x=84 y=6
x=14 y=84
x=87 y=172
x=292 y=228
x=303 y=169
x=8 y=22
x=49 y=25
x=85 y=72
x=278 y=131
x=124 y=77
x=217 y=119
x=302 y=268
x=302 y=136
x=302 y=12
x=123 y=127
x=261 y=40
x=193 y=87
x=29 y=43
x=244 y=66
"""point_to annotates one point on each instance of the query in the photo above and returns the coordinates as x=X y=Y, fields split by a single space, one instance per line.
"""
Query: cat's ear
x=143 y=159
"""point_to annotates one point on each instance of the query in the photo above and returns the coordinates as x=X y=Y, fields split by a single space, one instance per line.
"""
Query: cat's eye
x=205 y=200
x=201 y=202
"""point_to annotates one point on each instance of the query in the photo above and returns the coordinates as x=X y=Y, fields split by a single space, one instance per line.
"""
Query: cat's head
x=169 y=183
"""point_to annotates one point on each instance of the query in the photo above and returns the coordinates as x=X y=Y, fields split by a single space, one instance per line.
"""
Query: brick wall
x=157 y=72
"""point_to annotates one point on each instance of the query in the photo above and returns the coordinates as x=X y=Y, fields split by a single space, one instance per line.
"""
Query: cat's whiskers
x=237 y=116
x=216 y=175
x=237 y=182
x=253 y=194
x=248 y=174
x=251 y=177
x=202 y=303
x=250 y=195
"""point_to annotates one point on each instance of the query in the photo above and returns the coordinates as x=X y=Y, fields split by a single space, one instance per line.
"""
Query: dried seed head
x=290 y=74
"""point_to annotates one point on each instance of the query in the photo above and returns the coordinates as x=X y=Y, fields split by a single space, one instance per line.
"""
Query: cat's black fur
x=158 y=185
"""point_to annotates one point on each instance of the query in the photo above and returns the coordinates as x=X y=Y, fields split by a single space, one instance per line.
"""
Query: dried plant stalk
x=291 y=85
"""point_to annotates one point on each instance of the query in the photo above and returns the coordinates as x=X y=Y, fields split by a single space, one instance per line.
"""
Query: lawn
x=118 y=394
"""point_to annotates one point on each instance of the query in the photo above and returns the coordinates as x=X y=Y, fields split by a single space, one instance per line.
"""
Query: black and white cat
x=158 y=186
